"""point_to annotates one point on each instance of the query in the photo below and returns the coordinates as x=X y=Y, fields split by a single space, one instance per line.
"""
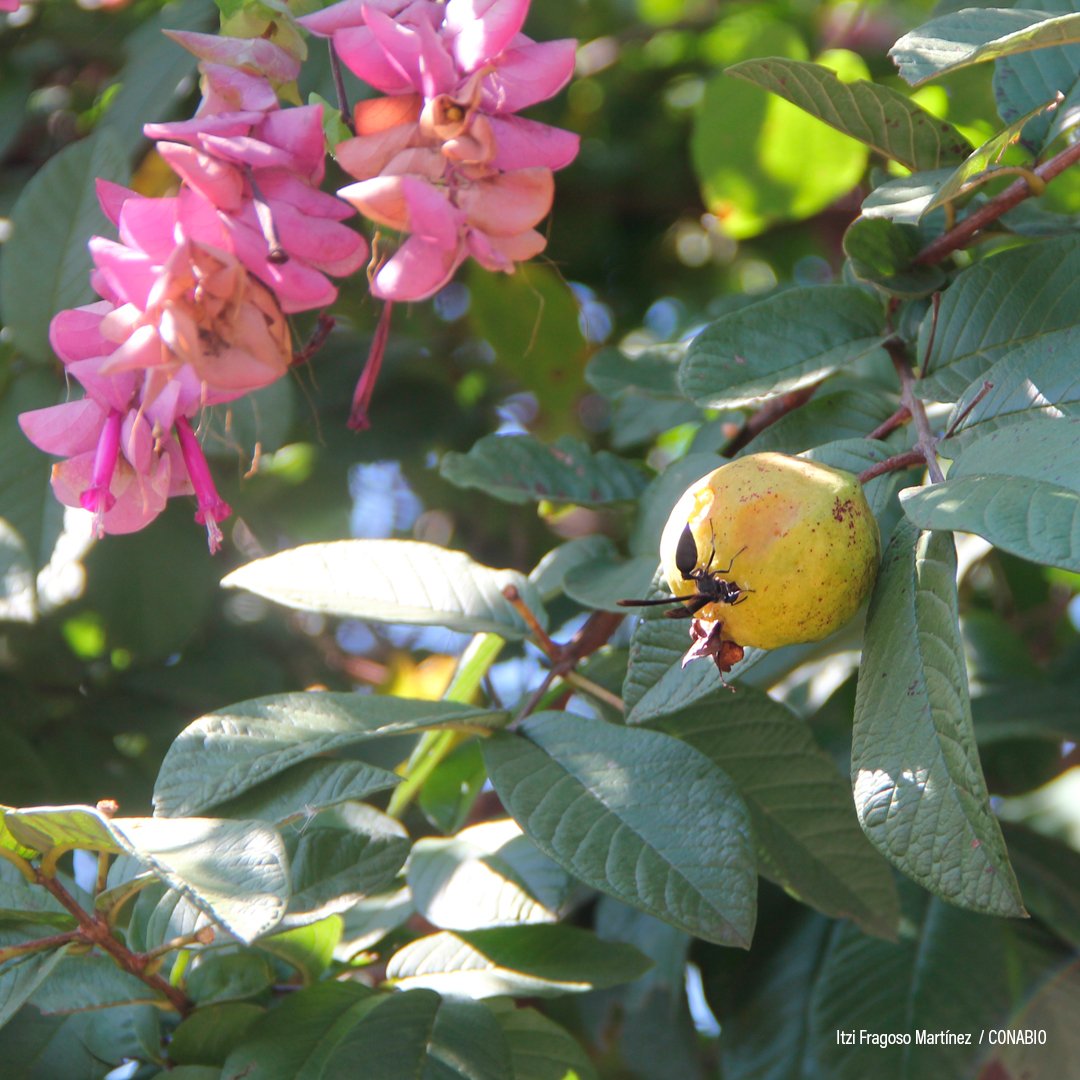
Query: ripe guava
x=799 y=538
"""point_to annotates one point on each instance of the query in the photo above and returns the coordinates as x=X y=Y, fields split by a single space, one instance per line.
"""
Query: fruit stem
x=767 y=415
x=927 y=444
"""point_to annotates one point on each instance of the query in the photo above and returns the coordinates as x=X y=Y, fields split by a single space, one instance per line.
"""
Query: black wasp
x=711 y=587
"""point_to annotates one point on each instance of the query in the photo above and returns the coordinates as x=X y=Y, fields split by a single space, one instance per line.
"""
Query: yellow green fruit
x=801 y=541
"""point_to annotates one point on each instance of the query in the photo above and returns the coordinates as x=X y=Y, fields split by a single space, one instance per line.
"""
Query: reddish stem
x=361 y=402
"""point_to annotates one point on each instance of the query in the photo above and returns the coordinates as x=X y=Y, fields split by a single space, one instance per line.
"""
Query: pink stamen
x=212 y=508
x=358 y=414
x=97 y=498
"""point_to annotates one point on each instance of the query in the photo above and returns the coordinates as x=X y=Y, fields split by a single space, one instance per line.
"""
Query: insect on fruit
x=711 y=587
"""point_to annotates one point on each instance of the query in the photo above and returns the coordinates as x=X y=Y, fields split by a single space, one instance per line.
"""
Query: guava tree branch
x=768 y=414
x=956 y=237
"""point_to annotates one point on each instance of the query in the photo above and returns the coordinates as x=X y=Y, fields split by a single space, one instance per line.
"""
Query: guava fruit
x=796 y=540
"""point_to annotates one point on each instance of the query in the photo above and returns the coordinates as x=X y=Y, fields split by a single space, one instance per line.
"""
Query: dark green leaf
x=539 y=1048
x=209 y=1033
x=22 y=902
x=781 y=344
x=883 y=118
x=294 y=1040
x=919 y=787
x=549 y=572
x=307 y=788
x=520 y=468
x=91 y=982
x=997 y=305
x=1018 y=487
x=807 y=833
x=881 y=252
x=976 y=34
x=1049 y=876
x=228 y=752
x=391 y=581
x=660 y=497
x=602 y=583
x=449 y=792
x=230 y=977
x=37 y=1047
x=19 y=978
x=653 y=372
x=1026 y=710
x=46 y=265
x=609 y=804
x=527 y=961
x=418 y=1034
x=309 y=948
x=640 y=418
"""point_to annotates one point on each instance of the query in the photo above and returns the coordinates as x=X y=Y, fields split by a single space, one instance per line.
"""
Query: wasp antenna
x=648 y=603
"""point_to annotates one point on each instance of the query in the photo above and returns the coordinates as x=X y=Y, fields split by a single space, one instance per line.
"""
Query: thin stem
x=534 y=700
x=955 y=238
x=927 y=444
x=985 y=389
x=900 y=461
x=277 y=253
x=23 y=865
x=339 y=87
x=203 y=936
x=102 y=872
x=901 y=416
x=767 y=415
x=40 y=945
x=595 y=689
x=322 y=330
x=552 y=651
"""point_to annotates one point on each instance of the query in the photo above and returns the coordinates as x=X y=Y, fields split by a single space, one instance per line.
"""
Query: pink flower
x=253 y=54
x=9 y=5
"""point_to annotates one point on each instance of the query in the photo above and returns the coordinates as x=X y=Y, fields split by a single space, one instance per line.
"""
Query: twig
x=276 y=253
x=39 y=945
x=985 y=389
x=901 y=416
x=899 y=461
x=339 y=88
x=927 y=444
x=552 y=651
x=956 y=237
x=595 y=689
x=534 y=700
x=936 y=301
x=318 y=338
x=768 y=414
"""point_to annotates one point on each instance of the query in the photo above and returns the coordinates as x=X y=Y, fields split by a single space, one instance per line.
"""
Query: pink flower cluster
x=443 y=157
x=193 y=301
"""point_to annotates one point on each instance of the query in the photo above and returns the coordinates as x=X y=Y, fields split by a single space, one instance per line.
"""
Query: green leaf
x=905 y=199
x=881 y=252
x=781 y=344
x=1017 y=487
x=1049 y=876
x=612 y=372
x=237 y=870
x=996 y=306
x=884 y=119
x=639 y=418
x=14 y=93
x=228 y=752
x=844 y=408
x=417 y=1034
x=294 y=1040
x=162 y=914
x=46 y=265
x=209 y=1033
x=1035 y=381
x=228 y=977
x=807 y=833
x=487 y=875
x=530 y=319
x=308 y=948
x=307 y=788
x=742 y=139
x=984 y=158
x=660 y=497
x=609 y=804
x=528 y=961
x=973 y=35
x=449 y=792
x=22 y=902
x=339 y=857
x=919 y=787
x=91 y=982
x=43 y=828
x=549 y=572
x=156 y=71
x=25 y=496
x=854 y=455
x=19 y=978
x=392 y=581
x=368 y=922
x=602 y=583
x=539 y=1048
x=1024 y=711
x=520 y=468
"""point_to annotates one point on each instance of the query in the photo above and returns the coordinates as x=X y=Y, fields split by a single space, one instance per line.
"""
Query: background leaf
x=881 y=252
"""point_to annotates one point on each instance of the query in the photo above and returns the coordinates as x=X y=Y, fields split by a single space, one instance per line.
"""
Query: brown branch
x=95 y=931
x=927 y=444
x=1013 y=195
x=39 y=945
x=901 y=416
x=768 y=414
x=322 y=330
x=899 y=461
x=983 y=391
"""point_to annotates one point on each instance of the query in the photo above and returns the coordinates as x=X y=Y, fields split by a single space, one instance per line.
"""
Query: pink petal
x=414 y=51
x=9 y=5
x=218 y=181
x=335 y=17
x=418 y=270
x=130 y=273
x=199 y=219
x=483 y=28
x=139 y=497
x=75 y=334
x=281 y=186
x=380 y=199
x=150 y=226
x=364 y=57
x=142 y=350
x=378 y=114
x=188 y=131
x=229 y=90
x=528 y=73
x=324 y=244
x=509 y=203
x=431 y=214
x=112 y=198
x=244 y=150
x=522 y=144
x=298 y=131
x=137 y=441
x=109 y=391
x=68 y=429
x=366 y=155
x=506 y=249
x=257 y=54
x=179 y=481
x=419 y=161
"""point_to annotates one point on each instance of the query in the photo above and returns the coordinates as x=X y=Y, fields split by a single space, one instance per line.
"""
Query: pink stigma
x=212 y=508
x=97 y=498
